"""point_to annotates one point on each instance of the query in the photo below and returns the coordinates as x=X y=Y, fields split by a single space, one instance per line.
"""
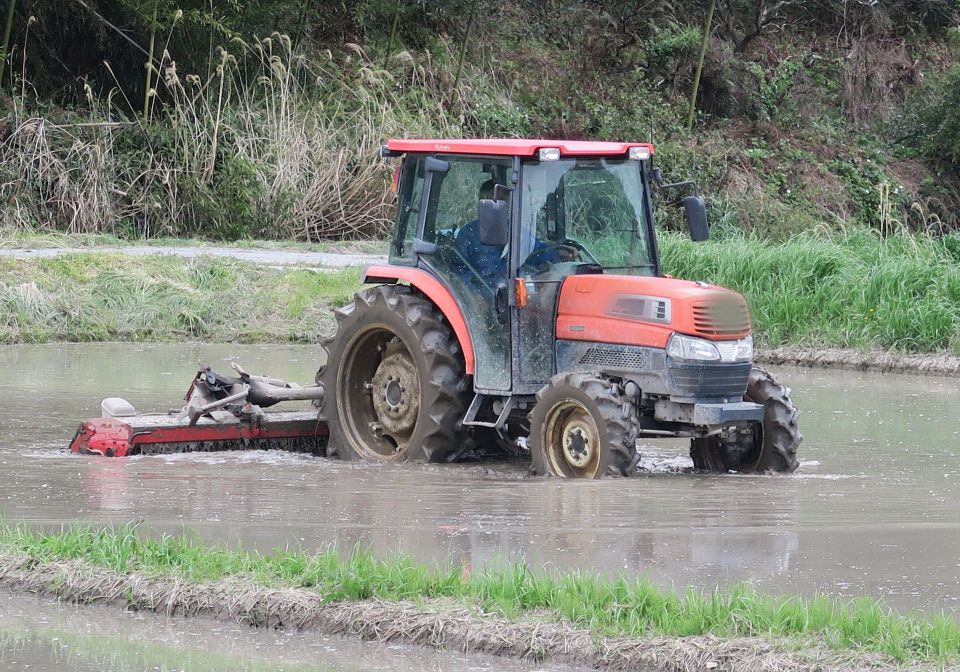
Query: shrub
x=932 y=119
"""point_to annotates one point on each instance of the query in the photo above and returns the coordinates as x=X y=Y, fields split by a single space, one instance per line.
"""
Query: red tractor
x=523 y=305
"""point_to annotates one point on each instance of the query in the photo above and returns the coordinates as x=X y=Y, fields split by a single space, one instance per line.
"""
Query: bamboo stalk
x=11 y=7
x=696 y=77
x=393 y=34
x=463 y=50
x=149 y=68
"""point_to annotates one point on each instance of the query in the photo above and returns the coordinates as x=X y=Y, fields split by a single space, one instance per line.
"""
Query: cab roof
x=513 y=147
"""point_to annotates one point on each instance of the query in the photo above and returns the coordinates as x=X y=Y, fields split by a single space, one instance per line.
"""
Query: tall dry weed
x=270 y=144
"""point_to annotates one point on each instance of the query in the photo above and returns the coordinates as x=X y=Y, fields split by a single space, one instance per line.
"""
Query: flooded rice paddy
x=874 y=509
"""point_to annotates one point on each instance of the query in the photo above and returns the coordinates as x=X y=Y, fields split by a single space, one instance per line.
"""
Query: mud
x=833 y=358
x=872 y=511
x=41 y=635
x=432 y=623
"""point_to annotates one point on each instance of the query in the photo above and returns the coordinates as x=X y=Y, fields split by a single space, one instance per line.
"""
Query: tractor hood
x=634 y=310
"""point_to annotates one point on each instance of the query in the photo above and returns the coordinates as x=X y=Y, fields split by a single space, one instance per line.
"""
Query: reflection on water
x=43 y=636
x=873 y=510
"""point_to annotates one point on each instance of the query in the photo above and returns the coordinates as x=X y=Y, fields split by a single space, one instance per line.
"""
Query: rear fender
x=438 y=293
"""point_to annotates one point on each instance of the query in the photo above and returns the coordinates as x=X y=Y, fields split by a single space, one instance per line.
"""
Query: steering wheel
x=563 y=242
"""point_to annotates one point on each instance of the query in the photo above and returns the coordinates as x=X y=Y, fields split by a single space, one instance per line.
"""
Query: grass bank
x=114 y=297
x=860 y=290
x=86 y=564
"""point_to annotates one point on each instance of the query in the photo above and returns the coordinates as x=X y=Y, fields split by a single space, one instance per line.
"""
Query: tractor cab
x=503 y=223
x=524 y=299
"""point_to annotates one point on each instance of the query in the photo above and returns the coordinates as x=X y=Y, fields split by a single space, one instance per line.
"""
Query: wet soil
x=939 y=364
x=872 y=511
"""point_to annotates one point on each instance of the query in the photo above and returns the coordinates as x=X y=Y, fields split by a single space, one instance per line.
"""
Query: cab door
x=476 y=274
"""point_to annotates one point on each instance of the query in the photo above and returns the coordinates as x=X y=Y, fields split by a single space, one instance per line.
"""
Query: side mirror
x=494 y=219
x=695 y=210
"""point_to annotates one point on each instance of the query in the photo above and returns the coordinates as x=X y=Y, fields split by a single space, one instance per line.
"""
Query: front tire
x=395 y=381
x=582 y=427
x=767 y=447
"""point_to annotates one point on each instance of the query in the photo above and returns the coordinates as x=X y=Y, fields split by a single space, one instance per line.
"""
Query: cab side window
x=408 y=210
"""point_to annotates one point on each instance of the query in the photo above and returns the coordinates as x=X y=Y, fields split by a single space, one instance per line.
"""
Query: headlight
x=745 y=349
x=689 y=348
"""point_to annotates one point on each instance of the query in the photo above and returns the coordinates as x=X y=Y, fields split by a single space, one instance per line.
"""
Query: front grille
x=710 y=380
x=724 y=318
x=612 y=358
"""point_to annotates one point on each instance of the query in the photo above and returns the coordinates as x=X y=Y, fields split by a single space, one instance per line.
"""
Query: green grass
x=854 y=291
x=607 y=606
x=114 y=297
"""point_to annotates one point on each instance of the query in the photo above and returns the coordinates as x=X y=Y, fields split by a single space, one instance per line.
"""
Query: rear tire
x=395 y=381
x=763 y=448
x=582 y=427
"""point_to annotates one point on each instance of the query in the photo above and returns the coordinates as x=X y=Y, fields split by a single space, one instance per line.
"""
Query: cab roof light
x=638 y=153
x=549 y=154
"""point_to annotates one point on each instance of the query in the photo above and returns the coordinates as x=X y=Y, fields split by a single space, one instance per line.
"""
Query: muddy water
x=873 y=511
x=43 y=636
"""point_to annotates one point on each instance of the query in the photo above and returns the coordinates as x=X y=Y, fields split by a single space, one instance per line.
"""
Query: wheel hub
x=578 y=444
x=396 y=394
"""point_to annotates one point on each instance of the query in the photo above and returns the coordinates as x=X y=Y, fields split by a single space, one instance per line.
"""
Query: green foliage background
x=264 y=116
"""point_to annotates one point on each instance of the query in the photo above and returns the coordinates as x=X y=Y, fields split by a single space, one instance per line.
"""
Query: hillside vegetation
x=238 y=119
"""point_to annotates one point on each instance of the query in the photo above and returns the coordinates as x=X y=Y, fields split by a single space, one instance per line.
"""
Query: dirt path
x=261 y=256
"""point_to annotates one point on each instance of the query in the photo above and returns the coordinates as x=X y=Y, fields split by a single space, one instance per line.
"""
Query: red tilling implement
x=221 y=414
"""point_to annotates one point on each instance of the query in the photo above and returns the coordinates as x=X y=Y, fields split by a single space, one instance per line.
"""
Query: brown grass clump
x=436 y=623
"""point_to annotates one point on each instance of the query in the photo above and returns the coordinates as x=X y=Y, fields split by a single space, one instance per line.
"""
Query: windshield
x=584 y=211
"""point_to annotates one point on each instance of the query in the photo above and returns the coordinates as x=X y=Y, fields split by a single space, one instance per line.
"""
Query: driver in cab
x=490 y=261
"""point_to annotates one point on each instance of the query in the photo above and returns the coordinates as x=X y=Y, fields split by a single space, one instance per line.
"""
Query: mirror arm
x=421 y=246
x=687 y=184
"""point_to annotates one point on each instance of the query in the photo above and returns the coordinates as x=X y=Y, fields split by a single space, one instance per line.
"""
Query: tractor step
x=499 y=406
